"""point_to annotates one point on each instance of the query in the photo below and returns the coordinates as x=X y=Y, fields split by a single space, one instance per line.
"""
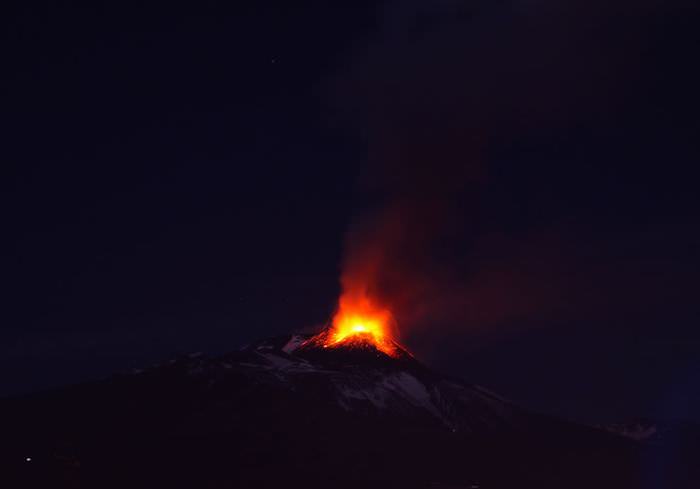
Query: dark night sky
x=182 y=178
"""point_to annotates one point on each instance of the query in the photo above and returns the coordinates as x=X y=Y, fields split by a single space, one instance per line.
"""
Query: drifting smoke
x=445 y=95
x=388 y=252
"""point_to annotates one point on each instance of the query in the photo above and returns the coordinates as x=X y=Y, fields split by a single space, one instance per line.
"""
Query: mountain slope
x=285 y=413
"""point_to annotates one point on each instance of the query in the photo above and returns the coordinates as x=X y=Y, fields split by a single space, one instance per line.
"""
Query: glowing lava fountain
x=359 y=321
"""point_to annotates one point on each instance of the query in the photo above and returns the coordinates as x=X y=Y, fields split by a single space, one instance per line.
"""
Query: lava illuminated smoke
x=359 y=321
x=372 y=288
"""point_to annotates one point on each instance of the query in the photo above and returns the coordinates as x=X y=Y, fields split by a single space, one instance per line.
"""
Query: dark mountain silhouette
x=285 y=413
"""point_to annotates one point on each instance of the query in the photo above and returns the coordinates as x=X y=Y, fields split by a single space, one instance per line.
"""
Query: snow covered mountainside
x=284 y=412
x=365 y=381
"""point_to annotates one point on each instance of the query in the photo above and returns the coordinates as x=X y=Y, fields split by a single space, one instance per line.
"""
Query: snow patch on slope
x=277 y=360
x=396 y=387
x=294 y=342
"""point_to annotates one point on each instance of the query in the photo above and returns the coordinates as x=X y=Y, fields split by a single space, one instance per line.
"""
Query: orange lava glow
x=359 y=320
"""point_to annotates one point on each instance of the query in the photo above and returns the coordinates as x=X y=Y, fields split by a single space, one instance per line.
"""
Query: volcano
x=290 y=412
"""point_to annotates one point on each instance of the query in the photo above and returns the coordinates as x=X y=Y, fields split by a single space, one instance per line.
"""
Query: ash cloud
x=505 y=150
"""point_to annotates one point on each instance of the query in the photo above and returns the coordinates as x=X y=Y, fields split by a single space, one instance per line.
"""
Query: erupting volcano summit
x=359 y=321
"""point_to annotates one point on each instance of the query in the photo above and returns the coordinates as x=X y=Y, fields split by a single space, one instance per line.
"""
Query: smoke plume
x=476 y=225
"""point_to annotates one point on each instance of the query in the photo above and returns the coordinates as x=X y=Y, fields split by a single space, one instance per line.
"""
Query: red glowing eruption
x=359 y=320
